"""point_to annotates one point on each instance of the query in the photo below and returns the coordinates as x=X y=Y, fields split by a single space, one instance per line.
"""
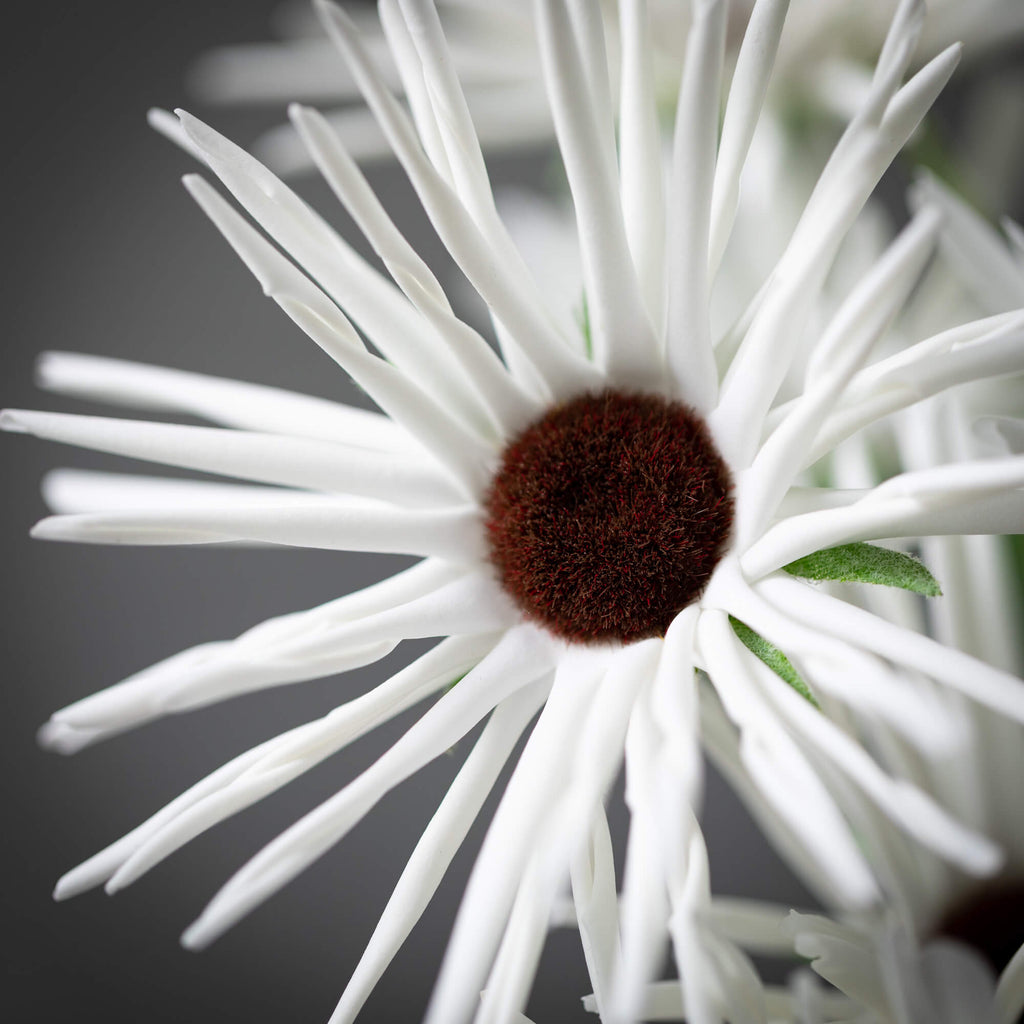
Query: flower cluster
x=647 y=508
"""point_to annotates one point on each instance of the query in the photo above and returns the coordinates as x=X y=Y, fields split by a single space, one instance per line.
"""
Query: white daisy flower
x=824 y=62
x=601 y=514
x=944 y=945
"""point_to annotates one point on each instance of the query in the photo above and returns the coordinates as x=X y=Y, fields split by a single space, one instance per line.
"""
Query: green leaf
x=772 y=657
x=867 y=563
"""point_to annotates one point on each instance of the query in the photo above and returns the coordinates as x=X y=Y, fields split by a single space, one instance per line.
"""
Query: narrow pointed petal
x=84 y=490
x=265 y=458
x=746 y=97
x=566 y=828
x=721 y=740
x=521 y=658
x=230 y=403
x=990 y=686
x=488 y=258
x=372 y=302
x=164 y=122
x=778 y=768
x=464 y=453
x=293 y=649
x=592 y=873
x=624 y=341
x=306 y=745
x=985 y=496
x=491 y=890
x=688 y=341
x=975 y=251
x=976 y=351
x=906 y=806
x=645 y=909
x=458 y=134
x=845 y=344
x=862 y=155
x=642 y=184
x=355 y=527
x=508 y=985
x=144 y=692
x=507 y=405
x=299 y=750
x=438 y=844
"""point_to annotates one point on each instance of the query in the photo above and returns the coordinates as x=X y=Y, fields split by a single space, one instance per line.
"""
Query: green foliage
x=867 y=563
x=772 y=657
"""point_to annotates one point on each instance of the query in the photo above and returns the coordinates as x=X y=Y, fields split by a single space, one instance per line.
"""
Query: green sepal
x=867 y=563
x=772 y=657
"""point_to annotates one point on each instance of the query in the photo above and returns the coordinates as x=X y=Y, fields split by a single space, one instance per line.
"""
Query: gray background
x=106 y=254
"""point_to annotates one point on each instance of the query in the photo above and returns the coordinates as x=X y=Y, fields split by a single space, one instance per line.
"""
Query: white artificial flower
x=948 y=947
x=824 y=62
x=944 y=946
x=593 y=509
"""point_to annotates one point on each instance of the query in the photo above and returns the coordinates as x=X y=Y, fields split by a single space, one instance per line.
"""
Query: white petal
x=746 y=96
x=281 y=149
x=857 y=163
x=645 y=908
x=85 y=490
x=961 y=498
x=499 y=397
x=907 y=806
x=978 y=350
x=688 y=339
x=489 y=895
x=410 y=70
x=520 y=658
x=228 y=402
x=508 y=985
x=372 y=302
x=721 y=740
x=1010 y=990
x=976 y=252
x=642 y=184
x=753 y=924
x=289 y=648
x=305 y=745
x=164 y=122
x=778 y=767
x=566 y=829
x=844 y=345
x=624 y=341
x=992 y=687
x=363 y=527
x=443 y=87
x=487 y=258
x=266 y=458
x=592 y=873
x=438 y=844
x=463 y=452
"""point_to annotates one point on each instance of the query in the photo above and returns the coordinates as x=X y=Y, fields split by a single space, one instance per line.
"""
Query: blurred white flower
x=824 y=63
x=610 y=516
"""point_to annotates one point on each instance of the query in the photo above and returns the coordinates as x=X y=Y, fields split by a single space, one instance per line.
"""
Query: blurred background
x=106 y=254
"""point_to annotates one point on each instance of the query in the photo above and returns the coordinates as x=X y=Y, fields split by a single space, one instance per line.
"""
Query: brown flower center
x=608 y=515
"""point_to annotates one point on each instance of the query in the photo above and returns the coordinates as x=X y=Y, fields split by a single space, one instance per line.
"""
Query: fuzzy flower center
x=607 y=516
